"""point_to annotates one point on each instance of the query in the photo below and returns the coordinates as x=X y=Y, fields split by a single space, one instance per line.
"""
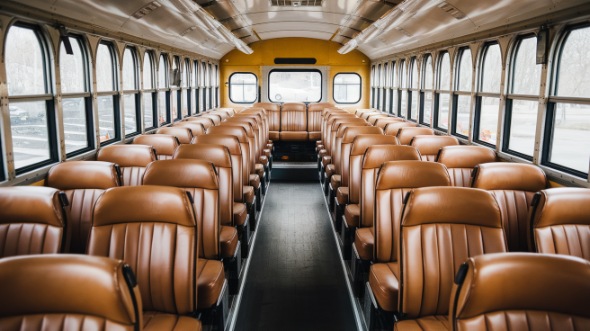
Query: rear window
x=295 y=85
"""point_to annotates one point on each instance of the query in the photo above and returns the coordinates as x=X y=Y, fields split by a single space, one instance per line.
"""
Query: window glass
x=573 y=74
x=243 y=87
x=444 y=74
x=129 y=70
x=129 y=98
x=442 y=103
x=428 y=73
x=462 y=114
x=464 y=70
x=130 y=119
x=378 y=77
x=415 y=78
x=571 y=134
x=106 y=118
x=526 y=73
x=25 y=62
x=443 y=111
x=295 y=86
x=347 y=88
x=523 y=124
x=162 y=72
x=387 y=75
x=30 y=135
x=107 y=103
x=148 y=86
x=186 y=95
x=73 y=68
x=148 y=71
x=394 y=78
x=491 y=69
x=488 y=119
x=105 y=80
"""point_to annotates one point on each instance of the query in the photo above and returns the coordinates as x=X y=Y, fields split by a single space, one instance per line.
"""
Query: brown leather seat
x=326 y=113
x=406 y=134
x=383 y=121
x=197 y=129
x=69 y=292
x=82 y=182
x=222 y=114
x=324 y=154
x=394 y=181
x=293 y=122
x=128 y=221
x=521 y=292
x=429 y=145
x=372 y=119
x=267 y=145
x=215 y=118
x=163 y=144
x=131 y=159
x=32 y=221
x=392 y=129
x=205 y=122
x=513 y=185
x=183 y=134
x=441 y=227
x=561 y=222
x=273 y=112
x=314 y=119
x=253 y=124
x=460 y=161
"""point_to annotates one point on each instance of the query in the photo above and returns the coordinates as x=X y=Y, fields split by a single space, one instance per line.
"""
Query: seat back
x=328 y=135
x=221 y=158
x=406 y=134
x=442 y=227
x=293 y=121
x=372 y=119
x=348 y=135
x=273 y=112
x=205 y=122
x=521 y=292
x=32 y=221
x=196 y=128
x=215 y=118
x=514 y=186
x=365 y=115
x=460 y=161
x=251 y=139
x=67 y=292
x=260 y=113
x=395 y=180
x=430 y=145
x=153 y=229
x=561 y=222
x=131 y=159
x=383 y=121
x=336 y=133
x=163 y=144
x=393 y=128
x=371 y=162
x=242 y=136
x=82 y=182
x=314 y=118
x=359 y=146
x=257 y=125
x=183 y=134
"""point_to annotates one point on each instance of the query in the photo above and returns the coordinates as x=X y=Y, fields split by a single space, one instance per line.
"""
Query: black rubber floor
x=295 y=280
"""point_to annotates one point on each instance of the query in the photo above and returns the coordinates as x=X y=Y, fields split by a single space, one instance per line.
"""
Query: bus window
x=32 y=119
x=393 y=90
x=568 y=116
x=163 y=91
x=185 y=84
x=403 y=92
x=522 y=103
x=347 y=88
x=414 y=90
x=487 y=106
x=426 y=93
x=149 y=93
x=108 y=112
x=295 y=85
x=76 y=102
x=130 y=92
x=443 y=89
x=462 y=95
x=243 y=87
x=174 y=84
x=196 y=86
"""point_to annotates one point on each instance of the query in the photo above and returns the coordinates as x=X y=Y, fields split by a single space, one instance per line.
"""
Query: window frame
x=164 y=89
x=295 y=70
x=457 y=92
x=148 y=55
x=438 y=91
x=114 y=93
x=411 y=91
x=479 y=95
x=334 y=88
x=136 y=92
x=229 y=84
x=425 y=89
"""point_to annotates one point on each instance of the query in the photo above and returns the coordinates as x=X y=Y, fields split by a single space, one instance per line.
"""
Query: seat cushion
x=293 y=135
x=335 y=181
x=314 y=135
x=210 y=278
x=228 y=241
x=255 y=181
x=330 y=170
x=427 y=323
x=326 y=160
x=364 y=242
x=342 y=195
x=240 y=213
x=249 y=194
x=259 y=168
x=352 y=215
x=263 y=160
x=273 y=135
x=154 y=321
x=384 y=282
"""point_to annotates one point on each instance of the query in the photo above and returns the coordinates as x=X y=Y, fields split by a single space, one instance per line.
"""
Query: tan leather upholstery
x=273 y=111
x=441 y=227
x=430 y=145
x=522 y=292
x=184 y=135
x=383 y=121
x=372 y=119
x=406 y=134
x=513 y=185
x=224 y=115
x=128 y=221
x=314 y=119
x=293 y=122
x=132 y=160
x=252 y=134
x=460 y=161
x=82 y=182
x=365 y=115
x=156 y=322
x=198 y=177
x=392 y=129
x=31 y=221
x=561 y=222
x=384 y=282
x=215 y=118
x=427 y=323
x=68 y=292
x=205 y=122
x=327 y=122
x=348 y=136
x=196 y=128
x=163 y=144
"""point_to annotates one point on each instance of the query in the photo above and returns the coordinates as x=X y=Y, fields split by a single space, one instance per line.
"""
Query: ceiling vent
x=150 y=7
x=296 y=3
x=451 y=10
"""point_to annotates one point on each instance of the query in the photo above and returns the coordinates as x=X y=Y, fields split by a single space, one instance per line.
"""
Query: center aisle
x=295 y=280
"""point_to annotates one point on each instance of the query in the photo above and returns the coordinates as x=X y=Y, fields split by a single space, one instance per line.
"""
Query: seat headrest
x=350 y=133
x=269 y=106
x=376 y=155
x=294 y=106
x=561 y=206
x=164 y=144
x=129 y=155
x=458 y=205
x=69 y=284
x=393 y=128
x=343 y=118
x=247 y=126
x=196 y=128
x=338 y=126
x=252 y=120
x=223 y=115
x=216 y=154
x=410 y=174
x=431 y=145
x=524 y=281
x=406 y=134
x=31 y=204
x=185 y=173
x=383 y=121
x=74 y=175
x=206 y=122
x=214 y=117
x=147 y=203
x=320 y=106
x=253 y=110
x=465 y=156
x=184 y=135
x=237 y=131
x=230 y=142
x=509 y=176
x=364 y=141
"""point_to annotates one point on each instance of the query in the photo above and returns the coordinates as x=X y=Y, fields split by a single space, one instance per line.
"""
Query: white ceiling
x=420 y=23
